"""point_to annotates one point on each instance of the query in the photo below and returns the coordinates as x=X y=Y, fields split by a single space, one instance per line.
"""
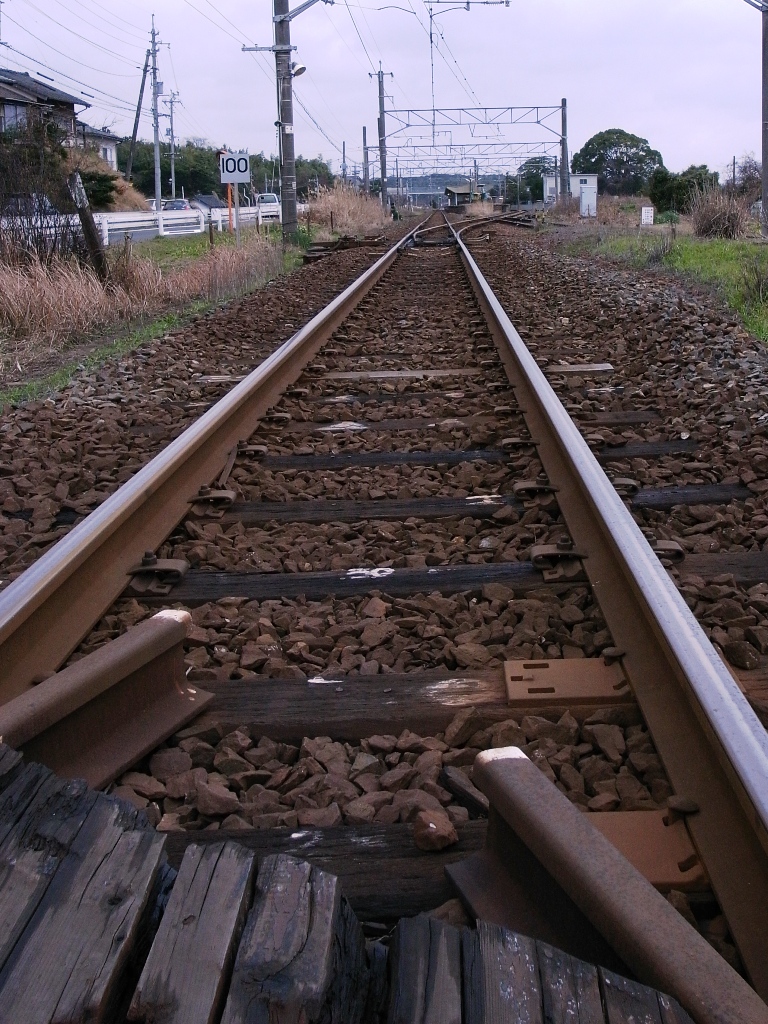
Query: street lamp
x=762 y=6
x=286 y=71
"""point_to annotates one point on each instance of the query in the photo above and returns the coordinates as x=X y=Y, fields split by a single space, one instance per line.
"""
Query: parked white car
x=269 y=205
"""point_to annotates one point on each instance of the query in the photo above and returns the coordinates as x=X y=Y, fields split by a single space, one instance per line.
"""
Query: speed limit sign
x=235 y=168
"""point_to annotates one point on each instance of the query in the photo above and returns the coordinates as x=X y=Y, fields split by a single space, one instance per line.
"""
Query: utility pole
x=156 y=90
x=344 y=162
x=764 y=218
x=762 y=6
x=285 y=117
x=564 y=163
x=170 y=103
x=382 y=131
x=366 y=176
x=132 y=152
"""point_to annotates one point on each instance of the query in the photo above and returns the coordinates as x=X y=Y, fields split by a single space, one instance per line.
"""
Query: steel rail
x=47 y=611
x=720 y=750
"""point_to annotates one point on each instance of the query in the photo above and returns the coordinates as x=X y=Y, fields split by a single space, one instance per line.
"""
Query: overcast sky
x=685 y=74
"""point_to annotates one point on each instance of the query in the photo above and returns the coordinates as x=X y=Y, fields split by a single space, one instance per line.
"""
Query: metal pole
x=366 y=175
x=174 y=96
x=285 y=117
x=237 y=215
x=156 y=123
x=564 y=163
x=382 y=133
x=344 y=162
x=764 y=217
x=136 y=119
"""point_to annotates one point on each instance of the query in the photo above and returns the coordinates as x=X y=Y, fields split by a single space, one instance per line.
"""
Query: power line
x=104 y=49
x=130 y=24
x=362 y=42
x=38 y=39
x=63 y=74
x=78 y=15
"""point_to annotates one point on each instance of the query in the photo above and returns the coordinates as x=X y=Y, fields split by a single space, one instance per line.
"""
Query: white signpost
x=646 y=216
x=235 y=170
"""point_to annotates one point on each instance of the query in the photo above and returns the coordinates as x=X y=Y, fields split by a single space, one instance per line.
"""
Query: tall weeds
x=43 y=306
x=716 y=214
x=353 y=212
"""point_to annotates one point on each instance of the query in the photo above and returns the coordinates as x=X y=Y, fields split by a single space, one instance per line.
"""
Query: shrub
x=714 y=214
x=353 y=212
x=754 y=281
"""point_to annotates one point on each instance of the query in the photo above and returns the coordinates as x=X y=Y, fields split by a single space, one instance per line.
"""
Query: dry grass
x=42 y=308
x=353 y=212
x=716 y=214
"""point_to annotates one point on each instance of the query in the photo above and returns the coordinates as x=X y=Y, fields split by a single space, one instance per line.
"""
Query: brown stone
x=607 y=738
x=382 y=744
x=144 y=785
x=410 y=801
x=742 y=654
x=323 y=817
x=471 y=655
x=168 y=762
x=214 y=799
x=365 y=764
x=463 y=725
x=397 y=778
x=181 y=786
x=434 y=830
x=460 y=758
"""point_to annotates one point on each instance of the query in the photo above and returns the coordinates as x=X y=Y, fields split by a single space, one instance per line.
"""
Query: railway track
x=389 y=553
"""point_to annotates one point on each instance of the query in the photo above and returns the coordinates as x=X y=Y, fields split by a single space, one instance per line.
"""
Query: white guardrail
x=174 y=222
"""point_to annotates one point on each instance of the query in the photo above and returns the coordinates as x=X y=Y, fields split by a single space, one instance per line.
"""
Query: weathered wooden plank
x=425 y=973
x=628 y=1002
x=645 y=450
x=331 y=511
x=197 y=587
x=70 y=963
x=10 y=765
x=302 y=956
x=628 y=417
x=344 y=460
x=501 y=977
x=399 y=425
x=746 y=567
x=32 y=851
x=383 y=874
x=201 y=928
x=570 y=988
x=662 y=498
x=454 y=371
x=348 y=707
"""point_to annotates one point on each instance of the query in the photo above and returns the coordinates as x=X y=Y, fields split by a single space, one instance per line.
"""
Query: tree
x=670 y=191
x=622 y=162
x=531 y=179
x=197 y=169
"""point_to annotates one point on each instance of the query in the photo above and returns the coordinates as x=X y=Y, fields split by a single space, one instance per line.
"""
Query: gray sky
x=685 y=74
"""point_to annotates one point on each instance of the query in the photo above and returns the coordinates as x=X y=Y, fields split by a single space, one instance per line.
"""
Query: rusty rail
x=714 y=749
x=46 y=611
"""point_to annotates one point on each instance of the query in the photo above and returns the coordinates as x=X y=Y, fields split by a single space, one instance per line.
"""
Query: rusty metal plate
x=663 y=853
x=566 y=681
